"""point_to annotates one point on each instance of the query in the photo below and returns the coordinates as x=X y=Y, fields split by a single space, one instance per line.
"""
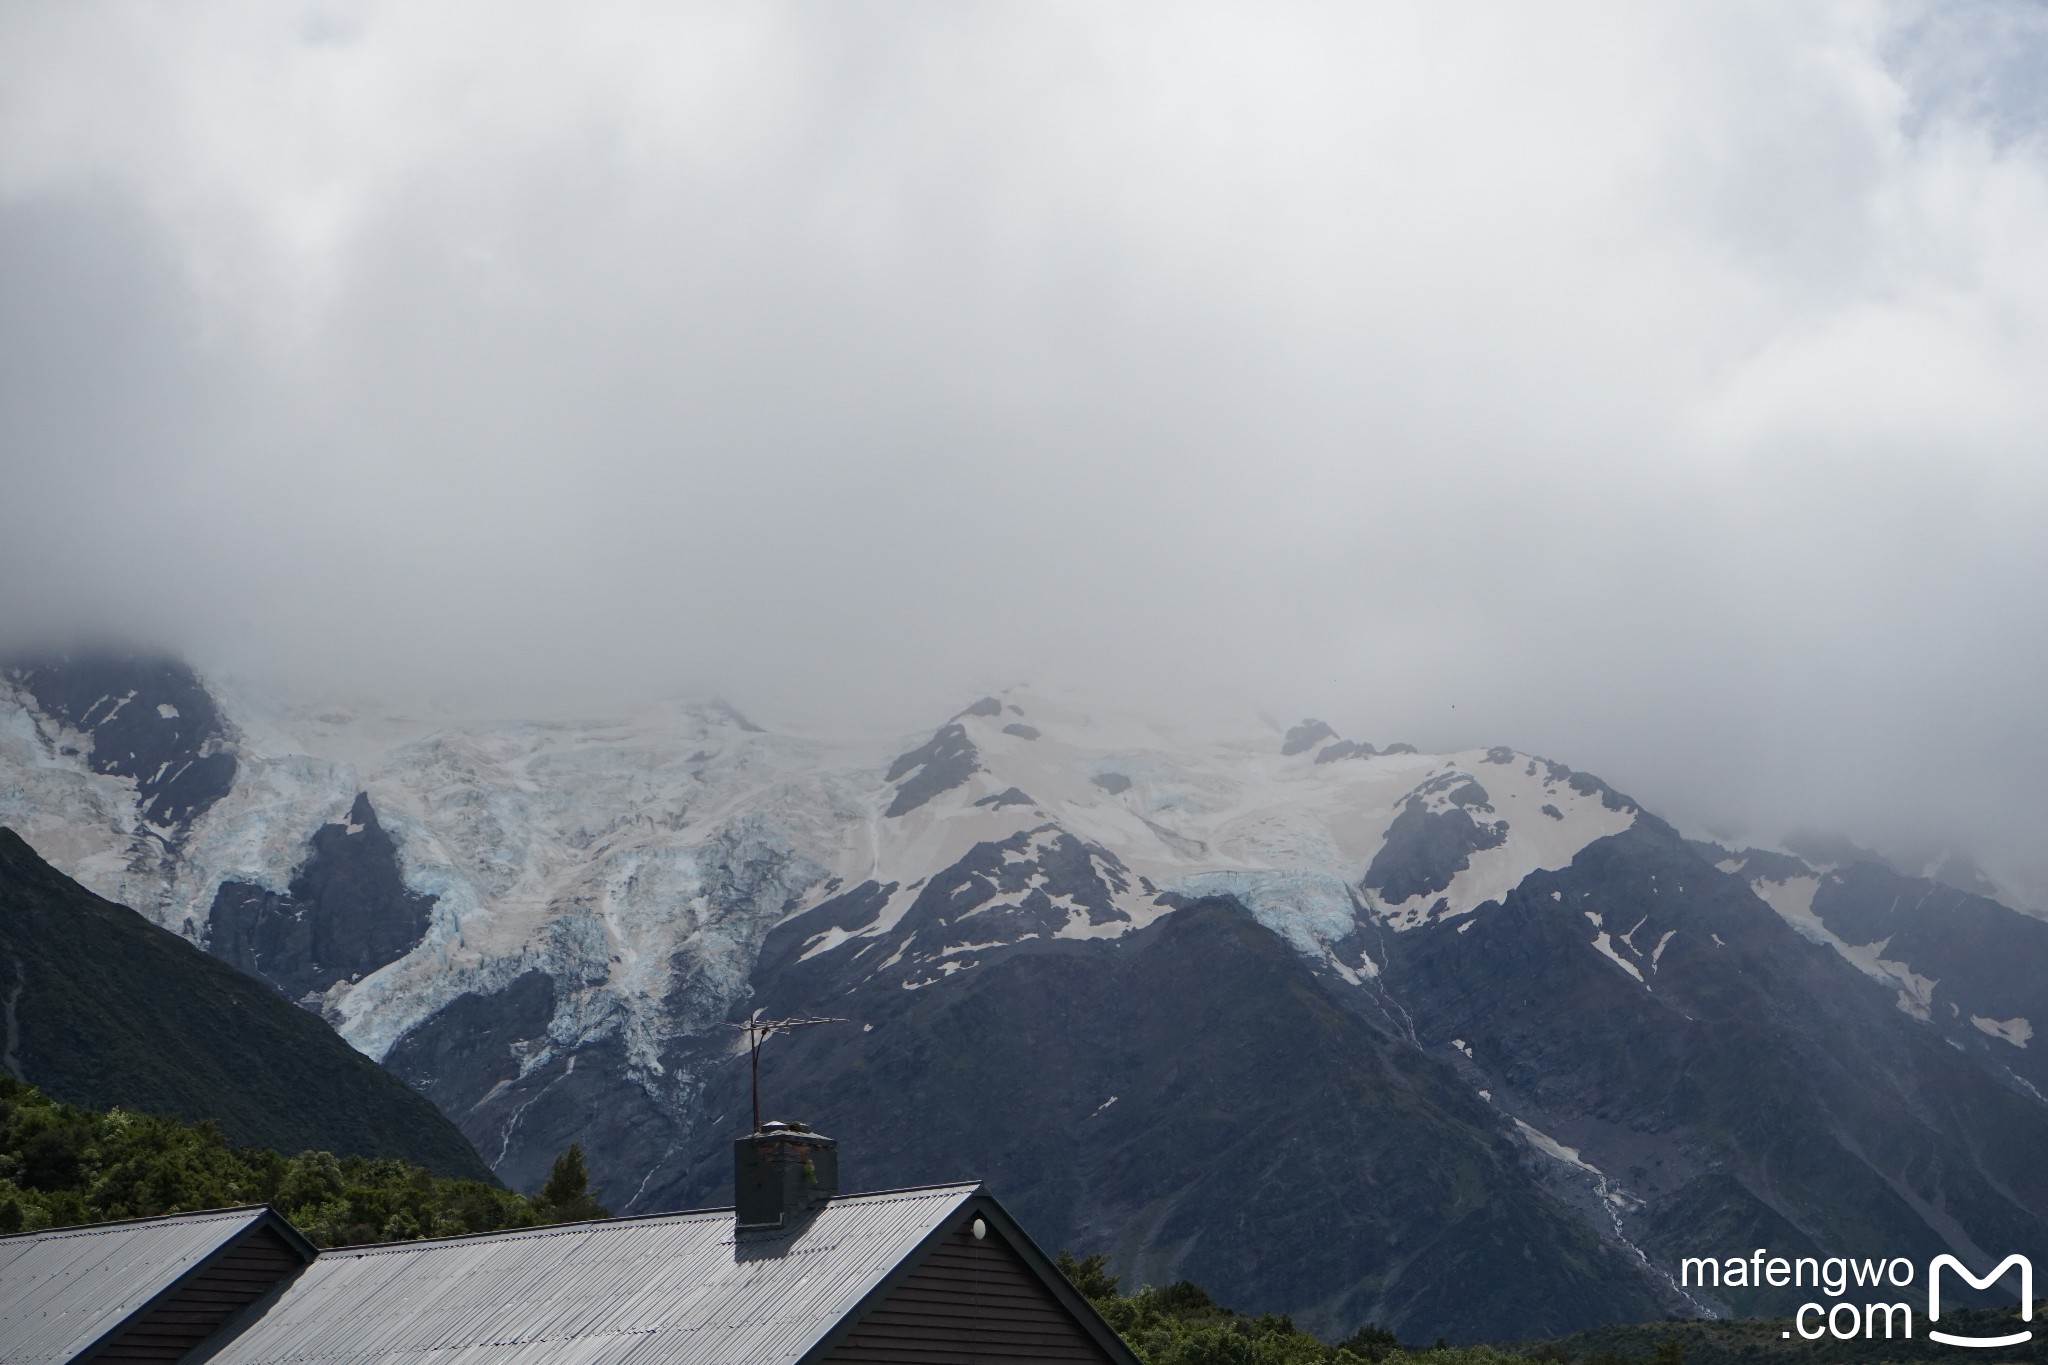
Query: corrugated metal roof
x=63 y=1289
x=662 y=1290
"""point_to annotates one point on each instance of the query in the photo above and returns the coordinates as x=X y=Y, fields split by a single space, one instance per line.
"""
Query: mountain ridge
x=1681 y=1057
x=104 y=1009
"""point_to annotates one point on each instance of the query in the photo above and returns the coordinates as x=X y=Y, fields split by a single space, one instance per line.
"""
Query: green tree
x=61 y=1165
x=1090 y=1274
x=566 y=1197
x=315 y=1178
x=1373 y=1342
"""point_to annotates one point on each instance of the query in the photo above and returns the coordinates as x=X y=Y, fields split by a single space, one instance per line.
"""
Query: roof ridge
x=364 y=1248
x=898 y=1190
x=556 y=1229
x=183 y=1216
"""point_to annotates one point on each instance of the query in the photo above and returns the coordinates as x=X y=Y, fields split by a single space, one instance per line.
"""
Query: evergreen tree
x=1090 y=1274
x=566 y=1198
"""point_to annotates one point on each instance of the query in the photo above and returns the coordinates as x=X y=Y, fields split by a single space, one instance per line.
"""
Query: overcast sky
x=1660 y=387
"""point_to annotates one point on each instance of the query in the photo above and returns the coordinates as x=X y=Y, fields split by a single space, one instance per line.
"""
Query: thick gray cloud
x=1658 y=387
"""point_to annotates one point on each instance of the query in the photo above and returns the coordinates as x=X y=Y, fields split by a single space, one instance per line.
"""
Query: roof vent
x=782 y=1172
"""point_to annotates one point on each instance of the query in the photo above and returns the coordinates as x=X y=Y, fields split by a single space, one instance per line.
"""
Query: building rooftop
x=64 y=1289
x=669 y=1288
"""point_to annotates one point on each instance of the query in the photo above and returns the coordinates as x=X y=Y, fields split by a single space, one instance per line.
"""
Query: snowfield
x=607 y=852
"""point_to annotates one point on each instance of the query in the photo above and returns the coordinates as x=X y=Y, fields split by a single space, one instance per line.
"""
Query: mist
x=1659 y=390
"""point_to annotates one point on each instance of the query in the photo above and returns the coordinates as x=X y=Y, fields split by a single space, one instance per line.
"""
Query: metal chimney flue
x=782 y=1172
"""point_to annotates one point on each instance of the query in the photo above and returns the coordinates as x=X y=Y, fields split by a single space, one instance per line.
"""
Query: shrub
x=61 y=1165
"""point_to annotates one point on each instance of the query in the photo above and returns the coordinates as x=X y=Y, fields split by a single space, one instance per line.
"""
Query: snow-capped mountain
x=1957 y=959
x=602 y=851
x=1338 y=1025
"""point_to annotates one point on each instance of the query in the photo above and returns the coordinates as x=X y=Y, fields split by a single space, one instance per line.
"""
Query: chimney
x=781 y=1173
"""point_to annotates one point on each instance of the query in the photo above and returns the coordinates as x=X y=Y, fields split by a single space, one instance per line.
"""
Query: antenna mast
x=759 y=1031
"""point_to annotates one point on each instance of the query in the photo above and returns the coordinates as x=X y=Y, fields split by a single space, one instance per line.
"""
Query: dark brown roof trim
x=269 y=1218
x=984 y=1205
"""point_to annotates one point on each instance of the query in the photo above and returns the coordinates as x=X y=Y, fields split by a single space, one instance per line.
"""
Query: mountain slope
x=62 y=1166
x=146 y=719
x=549 y=927
x=1731 y=1081
x=1959 y=961
x=103 y=1008
x=1260 y=1135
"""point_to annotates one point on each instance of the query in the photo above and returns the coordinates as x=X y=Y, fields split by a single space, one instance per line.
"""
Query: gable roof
x=65 y=1291
x=1007 y=1234
x=672 y=1289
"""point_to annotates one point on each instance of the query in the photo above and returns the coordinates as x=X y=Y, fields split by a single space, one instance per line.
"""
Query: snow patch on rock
x=1792 y=898
x=2014 y=1031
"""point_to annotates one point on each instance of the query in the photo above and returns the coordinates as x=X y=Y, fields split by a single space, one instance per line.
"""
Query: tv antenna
x=759 y=1031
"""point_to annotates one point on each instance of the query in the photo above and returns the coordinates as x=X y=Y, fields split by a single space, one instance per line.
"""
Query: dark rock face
x=1011 y=796
x=1425 y=849
x=149 y=719
x=472 y=1047
x=987 y=706
x=481 y=1061
x=346 y=913
x=1342 y=749
x=1470 y=795
x=1000 y=894
x=1585 y=784
x=1021 y=730
x=1116 y=784
x=106 y=1009
x=943 y=762
x=849 y=911
x=1107 y=1090
x=1985 y=960
x=1747 y=1084
x=1305 y=736
x=1755 y=862
x=589 y=1096
x=1978 y=960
